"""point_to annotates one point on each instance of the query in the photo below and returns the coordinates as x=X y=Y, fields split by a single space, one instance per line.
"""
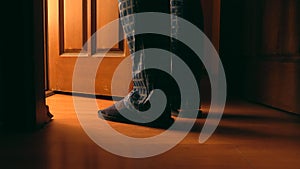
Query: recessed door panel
x=70 y=24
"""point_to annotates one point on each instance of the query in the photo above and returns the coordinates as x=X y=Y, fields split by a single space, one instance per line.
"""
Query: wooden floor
x=249 y=136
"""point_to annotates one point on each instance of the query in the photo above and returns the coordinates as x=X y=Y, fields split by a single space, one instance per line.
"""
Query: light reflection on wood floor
x=249 y=136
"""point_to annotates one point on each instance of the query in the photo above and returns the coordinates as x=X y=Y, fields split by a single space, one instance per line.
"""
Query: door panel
x=272 y=53
x=102 y=19
x=70 y=24
x=73 y=27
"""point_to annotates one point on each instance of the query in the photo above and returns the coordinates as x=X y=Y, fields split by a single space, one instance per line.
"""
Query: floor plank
x=249 y=136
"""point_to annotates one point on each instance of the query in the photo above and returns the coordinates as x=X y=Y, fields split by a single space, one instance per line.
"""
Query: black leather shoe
x=112 y=114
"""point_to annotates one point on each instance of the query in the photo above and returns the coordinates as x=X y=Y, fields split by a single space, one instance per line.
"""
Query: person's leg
x=143 y=81
x=157 y=79
x=141 y=89
x=190 y=10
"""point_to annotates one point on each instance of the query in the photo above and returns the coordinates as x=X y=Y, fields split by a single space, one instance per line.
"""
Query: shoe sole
x=155 y=124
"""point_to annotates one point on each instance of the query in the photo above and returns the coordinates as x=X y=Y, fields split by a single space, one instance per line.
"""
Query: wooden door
x=272 y=51
x=70 y=24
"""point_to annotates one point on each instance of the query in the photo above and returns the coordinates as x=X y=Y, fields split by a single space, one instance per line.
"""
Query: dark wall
x=17 y=102
x=22 y=99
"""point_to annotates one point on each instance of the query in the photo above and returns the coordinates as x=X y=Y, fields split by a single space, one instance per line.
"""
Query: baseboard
x=87 y=95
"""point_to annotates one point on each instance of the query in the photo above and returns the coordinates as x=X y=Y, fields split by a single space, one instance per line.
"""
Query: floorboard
x=249 y=136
